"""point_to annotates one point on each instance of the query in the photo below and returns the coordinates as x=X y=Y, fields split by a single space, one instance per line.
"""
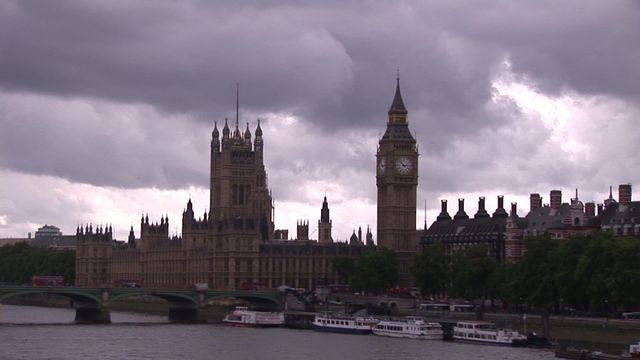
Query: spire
x=425 y=214
x=247 y=135
x=397 y=106
x=237 y=104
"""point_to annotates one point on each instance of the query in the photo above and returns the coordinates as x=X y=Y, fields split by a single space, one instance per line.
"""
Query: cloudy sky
x=106 y=108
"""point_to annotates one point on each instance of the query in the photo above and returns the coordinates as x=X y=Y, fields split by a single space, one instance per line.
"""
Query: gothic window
x=241 y=195
x=234 y=194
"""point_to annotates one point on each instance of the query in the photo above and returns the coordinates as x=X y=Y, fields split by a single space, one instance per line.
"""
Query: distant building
x=461 y=232
x=49 y=236
x=621 y=217
x=235 y=244
x=561 y=220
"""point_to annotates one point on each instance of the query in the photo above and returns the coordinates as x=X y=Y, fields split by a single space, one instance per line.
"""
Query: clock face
x=382 y=165
x=403 y=165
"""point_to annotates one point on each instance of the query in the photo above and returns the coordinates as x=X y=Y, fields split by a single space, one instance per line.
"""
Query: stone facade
x=234 y=246
x=397 y=181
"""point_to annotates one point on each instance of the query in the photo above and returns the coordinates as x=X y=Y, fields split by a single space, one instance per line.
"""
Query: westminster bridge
x=92 y=305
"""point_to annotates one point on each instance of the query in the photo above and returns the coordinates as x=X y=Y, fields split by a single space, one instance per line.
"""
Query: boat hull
x=341 y=330
x=250 y=325
x=409 y=336
x=514 y=343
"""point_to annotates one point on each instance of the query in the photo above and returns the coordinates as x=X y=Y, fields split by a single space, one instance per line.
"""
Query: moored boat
x=482 y=332
x=634 y=350
x=244 y=317
x=413 y=328
x=346 y=324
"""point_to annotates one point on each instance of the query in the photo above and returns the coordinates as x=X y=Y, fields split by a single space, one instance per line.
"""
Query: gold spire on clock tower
x=397 y=182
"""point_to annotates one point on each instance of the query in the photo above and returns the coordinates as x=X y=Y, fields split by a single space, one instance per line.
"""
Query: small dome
x=258 y=129
x=215 y=132
x=247 y=133
x=225 y=130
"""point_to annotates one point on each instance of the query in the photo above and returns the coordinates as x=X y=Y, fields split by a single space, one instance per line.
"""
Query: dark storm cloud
x=330 y=66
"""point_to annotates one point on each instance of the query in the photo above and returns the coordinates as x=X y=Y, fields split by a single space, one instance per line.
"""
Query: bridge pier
x=92 y=315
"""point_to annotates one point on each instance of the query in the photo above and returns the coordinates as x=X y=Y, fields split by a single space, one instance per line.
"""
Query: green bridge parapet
x=186 y=305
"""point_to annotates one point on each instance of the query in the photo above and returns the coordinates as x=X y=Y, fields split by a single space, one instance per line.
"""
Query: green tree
x=536 y=283
x=376 y=271
x=431 y=270
x=624 y=277
x=344 y=268
x=472 y=272
x=19 y=262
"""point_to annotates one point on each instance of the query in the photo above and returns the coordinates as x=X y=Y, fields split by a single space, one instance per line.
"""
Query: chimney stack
x=514 y=209
x=500 y=211
x=624 y=194
x=482 y=213
x=535 y=201
x=444 y=215
x=460 y=214
x=555 y=199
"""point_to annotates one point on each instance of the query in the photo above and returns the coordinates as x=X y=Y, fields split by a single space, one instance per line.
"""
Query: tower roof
x=397 y=106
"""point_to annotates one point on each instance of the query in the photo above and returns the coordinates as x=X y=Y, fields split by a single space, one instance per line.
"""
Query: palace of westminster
x=236 y=243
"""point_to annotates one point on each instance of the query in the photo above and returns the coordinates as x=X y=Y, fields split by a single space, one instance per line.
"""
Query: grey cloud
x=331 y=66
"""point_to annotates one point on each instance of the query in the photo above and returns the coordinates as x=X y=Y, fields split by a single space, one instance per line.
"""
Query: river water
x=28 y=332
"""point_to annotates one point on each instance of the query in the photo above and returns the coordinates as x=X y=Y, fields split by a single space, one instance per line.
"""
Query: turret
x=225 y=132
x=132 y=238
x=215 y=140
x=257 y=144
x=324 y=224
x=369 y=237
x=247 y=136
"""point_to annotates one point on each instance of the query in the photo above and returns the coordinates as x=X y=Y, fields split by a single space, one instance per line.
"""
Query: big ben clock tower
x=397 y=180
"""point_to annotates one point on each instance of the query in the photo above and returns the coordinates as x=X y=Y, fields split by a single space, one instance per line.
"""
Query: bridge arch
x=261 y=298
x=71 y=294
x=172 y=298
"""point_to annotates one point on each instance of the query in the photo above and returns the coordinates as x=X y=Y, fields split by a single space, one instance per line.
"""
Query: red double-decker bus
x=40 y=280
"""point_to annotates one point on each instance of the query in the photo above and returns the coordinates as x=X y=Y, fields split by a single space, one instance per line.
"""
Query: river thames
x=28 y=332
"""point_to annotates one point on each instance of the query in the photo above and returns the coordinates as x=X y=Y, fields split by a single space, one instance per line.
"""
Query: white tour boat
x=482 y=332
x=634 y=350
x=344 y=324
x=242 y=316
x=413 y=328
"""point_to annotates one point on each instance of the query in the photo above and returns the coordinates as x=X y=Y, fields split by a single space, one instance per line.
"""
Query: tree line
x=20 y=262
x=596 y=273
